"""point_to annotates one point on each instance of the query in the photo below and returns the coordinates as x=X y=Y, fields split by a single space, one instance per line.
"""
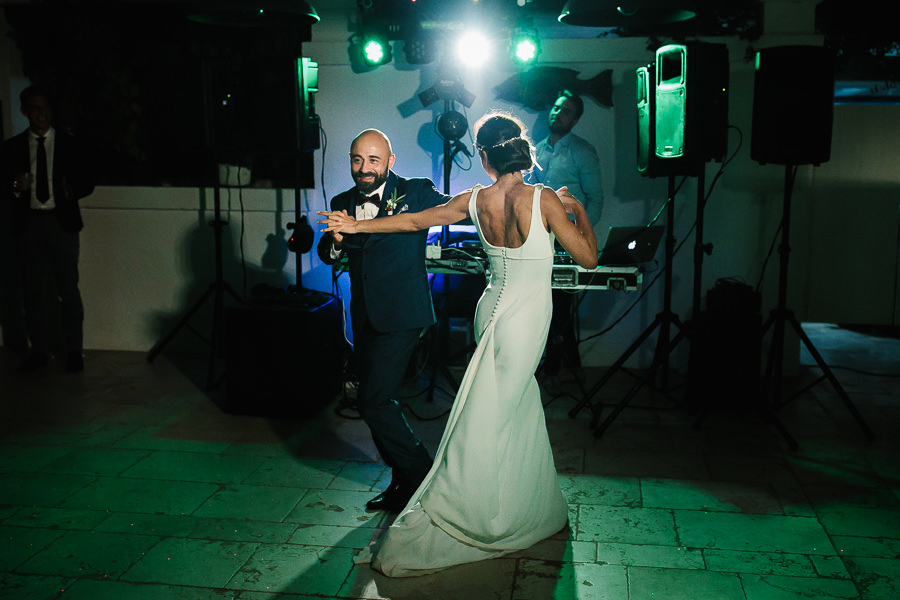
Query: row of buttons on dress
x=502 y=285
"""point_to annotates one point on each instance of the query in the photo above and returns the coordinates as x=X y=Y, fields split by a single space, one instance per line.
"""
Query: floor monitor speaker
x=283 y=358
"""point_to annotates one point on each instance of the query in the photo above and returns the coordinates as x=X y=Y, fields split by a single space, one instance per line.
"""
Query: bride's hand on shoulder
x=569 y=201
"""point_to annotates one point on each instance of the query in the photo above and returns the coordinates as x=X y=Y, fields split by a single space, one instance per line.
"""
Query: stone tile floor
x=128 y=482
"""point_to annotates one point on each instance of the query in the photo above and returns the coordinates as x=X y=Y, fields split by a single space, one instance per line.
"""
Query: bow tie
x=361 y=199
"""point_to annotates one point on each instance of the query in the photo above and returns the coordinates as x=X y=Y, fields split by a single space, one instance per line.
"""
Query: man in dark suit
x=45 y=173
x=390 y=304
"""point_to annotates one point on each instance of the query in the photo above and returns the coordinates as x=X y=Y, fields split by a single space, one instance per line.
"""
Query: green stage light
x=374 y=52
x=526 y=51
x=375 y=49
x=525 y=47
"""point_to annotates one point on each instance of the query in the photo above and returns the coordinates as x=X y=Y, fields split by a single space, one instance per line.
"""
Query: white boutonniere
x=391 y=203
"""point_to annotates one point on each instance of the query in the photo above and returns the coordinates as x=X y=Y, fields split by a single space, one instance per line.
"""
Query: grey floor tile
x=141 y=495
x=331 y=535
x=190 y=562
x=195 y=466
x=538 y=580
x=824 y=497
x=626 y=525
x=89 y=554
x=334 y=507
x=866 y=522
x=57 y=518
x=560 y=550
x=95 y=461
x=242 y=530
x=878 y=578
x=253 y=502
x=162 y=525
x=866 y=546
x=760 y=587
x=599 y=489
x=296 y=473
x=21 y=543
x=830 y=566
x=648 y=555
x=293 y=569
x=682 y=584
x=91 y=589
x=28 y=456
x=14 y=586
x=34 y=489
x=763 y=533
x=357 y=477
x=716 y=496
x=485 y=580
x=762 y=563
x=245 y=595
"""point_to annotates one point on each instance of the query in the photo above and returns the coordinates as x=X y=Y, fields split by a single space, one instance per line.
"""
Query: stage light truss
x=425 y=41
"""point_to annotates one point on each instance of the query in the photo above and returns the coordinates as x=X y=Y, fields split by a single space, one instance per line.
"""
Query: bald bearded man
x=390 y=304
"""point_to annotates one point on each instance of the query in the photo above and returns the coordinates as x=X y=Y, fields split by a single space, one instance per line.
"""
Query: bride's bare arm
x=454 y=210
x=577 y=238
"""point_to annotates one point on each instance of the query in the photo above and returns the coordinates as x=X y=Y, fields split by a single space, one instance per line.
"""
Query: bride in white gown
x=493 y=488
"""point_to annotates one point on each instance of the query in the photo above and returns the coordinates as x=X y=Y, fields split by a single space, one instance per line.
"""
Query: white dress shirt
x=363 y=212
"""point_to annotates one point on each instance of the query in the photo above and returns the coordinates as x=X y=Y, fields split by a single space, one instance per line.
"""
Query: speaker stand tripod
x=664 y=345
x=781 y=316
x=441 y=328
x=216 y=290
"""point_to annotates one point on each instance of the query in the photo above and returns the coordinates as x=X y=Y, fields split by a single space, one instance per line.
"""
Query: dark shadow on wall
x=187 y=332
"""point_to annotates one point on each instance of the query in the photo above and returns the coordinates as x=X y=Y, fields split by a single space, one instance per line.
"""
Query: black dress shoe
x=393 y=499
x=74 y=362
x=33 y=362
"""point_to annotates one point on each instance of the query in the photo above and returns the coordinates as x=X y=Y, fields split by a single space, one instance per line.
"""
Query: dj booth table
x=470 y=261
x=567 y=275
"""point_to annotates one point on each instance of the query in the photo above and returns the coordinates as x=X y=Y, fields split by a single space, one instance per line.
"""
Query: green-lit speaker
x=793 y=105
x=691 y=113
x=645 y=87
x=307 y=87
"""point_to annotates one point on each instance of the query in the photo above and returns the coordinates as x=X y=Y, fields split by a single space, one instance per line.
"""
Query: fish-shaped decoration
x=538 y=87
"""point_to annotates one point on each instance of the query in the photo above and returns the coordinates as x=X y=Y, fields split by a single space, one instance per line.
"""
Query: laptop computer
x=628 y=246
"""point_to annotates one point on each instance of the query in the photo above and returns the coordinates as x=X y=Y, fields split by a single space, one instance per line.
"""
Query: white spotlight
x=473 y=49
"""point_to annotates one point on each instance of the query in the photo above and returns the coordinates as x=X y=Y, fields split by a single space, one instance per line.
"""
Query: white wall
x=148 y=253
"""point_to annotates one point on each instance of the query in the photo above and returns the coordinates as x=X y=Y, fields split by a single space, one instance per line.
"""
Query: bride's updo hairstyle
x=502 y=137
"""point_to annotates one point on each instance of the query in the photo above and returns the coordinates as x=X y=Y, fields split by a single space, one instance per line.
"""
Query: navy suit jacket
x=70 y=163
x=388 y=280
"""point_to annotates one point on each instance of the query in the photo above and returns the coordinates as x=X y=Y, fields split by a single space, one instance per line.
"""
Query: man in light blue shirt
x=566 y=159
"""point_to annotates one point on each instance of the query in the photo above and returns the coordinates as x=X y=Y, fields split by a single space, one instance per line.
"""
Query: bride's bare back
x=504 y=212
